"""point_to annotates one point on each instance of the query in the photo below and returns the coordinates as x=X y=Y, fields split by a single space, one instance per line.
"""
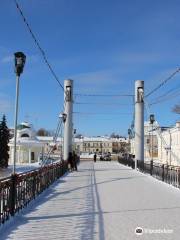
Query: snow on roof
x=84 y=139
x=148 y=124
x=26 y=141
x=45 y=138
x=100 y=139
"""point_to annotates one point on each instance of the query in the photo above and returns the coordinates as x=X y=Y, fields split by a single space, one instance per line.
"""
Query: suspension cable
x=164 y=82
x=101 y=103
x=103 y=95
x=38 y=45
x=93 y=113
x=54 y=141
x=165 y=98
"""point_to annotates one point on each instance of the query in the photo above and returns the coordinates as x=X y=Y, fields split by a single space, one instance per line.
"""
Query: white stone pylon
x=139 y=122
x=68 y=110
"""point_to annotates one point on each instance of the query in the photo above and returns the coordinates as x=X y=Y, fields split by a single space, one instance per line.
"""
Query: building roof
x=26 y=142
x=24 y=125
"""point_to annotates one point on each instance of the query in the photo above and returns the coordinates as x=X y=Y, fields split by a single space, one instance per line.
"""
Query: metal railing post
x=151 y=167
x=163 y=172
x=13 y=194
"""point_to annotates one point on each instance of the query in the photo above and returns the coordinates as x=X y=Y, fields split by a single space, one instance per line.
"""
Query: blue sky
x=104 y=46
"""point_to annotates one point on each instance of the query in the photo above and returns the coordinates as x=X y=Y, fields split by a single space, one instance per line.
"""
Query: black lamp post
x=152 y=120
x=129 y=133
x=20 y=60
x=63 y=116
x=74 y=144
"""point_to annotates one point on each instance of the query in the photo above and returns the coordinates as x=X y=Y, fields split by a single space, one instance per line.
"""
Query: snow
x=86 y=155
x=20 y=168
x=103 y=200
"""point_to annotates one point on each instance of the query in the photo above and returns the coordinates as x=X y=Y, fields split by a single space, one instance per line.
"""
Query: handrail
x=18 y=190
x=167 y=173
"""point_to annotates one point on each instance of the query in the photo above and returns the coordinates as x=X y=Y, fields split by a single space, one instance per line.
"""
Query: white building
x=169 y=145
x=100 y=144
x=29 y=148
x=87 y=144
x=150 y=141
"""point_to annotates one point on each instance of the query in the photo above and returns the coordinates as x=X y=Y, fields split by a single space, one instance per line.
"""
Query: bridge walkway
x=103 y=200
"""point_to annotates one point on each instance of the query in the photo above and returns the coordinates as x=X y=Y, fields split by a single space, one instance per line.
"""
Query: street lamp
x=20 y=60
x=129 y=133
x=152 y=120
x=63 y=116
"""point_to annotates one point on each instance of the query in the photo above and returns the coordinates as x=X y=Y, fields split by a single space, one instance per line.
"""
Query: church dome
x=25 y=130
x=23 y=125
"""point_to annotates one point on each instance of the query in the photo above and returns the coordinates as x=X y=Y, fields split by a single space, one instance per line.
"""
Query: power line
x=166 y=98
x=99 y=103
x=167 y=95
x=46 y=62
x=38 y=45
x=163 y=82
x=103 y=95
x=104 y=119
x=169 y=91
x=93 y=113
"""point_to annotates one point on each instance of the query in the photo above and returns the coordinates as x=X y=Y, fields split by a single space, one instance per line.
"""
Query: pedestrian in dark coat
x=75 y=161
x=70 y=161
x=95 y=157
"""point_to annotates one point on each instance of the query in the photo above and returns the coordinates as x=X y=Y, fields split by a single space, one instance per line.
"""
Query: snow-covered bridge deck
x=104 y=200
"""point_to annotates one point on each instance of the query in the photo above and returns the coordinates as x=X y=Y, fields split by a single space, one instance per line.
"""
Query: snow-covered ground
x=103 y=200
x=87 y=156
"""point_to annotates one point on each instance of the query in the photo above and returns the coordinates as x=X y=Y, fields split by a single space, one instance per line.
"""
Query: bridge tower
x=139 y=122
x=68 y=110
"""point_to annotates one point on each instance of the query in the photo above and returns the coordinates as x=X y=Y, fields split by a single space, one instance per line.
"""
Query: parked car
x=105 y=157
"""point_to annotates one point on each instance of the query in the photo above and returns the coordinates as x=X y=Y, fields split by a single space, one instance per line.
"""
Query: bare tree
x=176 y=109
x=42 y=132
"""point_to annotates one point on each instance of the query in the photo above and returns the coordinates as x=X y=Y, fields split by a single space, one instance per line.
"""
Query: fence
x=18 y=190
x=167 y=173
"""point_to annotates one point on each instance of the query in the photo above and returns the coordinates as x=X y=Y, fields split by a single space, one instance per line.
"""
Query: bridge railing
x=18 y=190
x=167 y=173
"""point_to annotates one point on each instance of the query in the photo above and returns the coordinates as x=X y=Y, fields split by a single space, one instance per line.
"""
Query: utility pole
x=139 y=122
x=68 y=111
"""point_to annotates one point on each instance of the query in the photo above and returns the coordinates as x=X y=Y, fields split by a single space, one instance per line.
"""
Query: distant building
x=88 y=144
x=169 y=145
x=29 y=148
x=100 y=144
x=150 y=141
x=160 y=143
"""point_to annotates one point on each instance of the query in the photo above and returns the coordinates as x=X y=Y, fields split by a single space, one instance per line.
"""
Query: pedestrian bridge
x=103 y=200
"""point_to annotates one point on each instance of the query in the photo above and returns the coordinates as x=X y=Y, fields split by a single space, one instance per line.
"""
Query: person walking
x=95 y=157
x=70 y=161
x=74 y=161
